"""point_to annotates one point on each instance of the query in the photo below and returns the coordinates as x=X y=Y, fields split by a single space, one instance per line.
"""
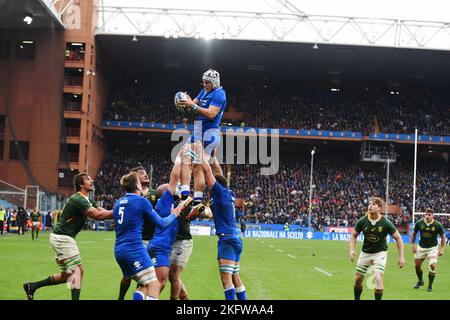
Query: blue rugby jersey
x=165 y=236
x=129 y=212
x=223 y=210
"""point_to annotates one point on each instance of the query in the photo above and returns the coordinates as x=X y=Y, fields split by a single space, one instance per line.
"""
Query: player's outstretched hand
x=413 y=248
x=176 y=211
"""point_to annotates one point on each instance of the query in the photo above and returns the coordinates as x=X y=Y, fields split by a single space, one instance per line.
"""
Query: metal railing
x=72 y=132
x=71 y=81
x=72 y=106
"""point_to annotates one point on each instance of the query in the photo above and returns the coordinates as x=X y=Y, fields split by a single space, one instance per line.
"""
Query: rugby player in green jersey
x=36 y=221
x=375 y=228
x=62 y=239
x=428 y=247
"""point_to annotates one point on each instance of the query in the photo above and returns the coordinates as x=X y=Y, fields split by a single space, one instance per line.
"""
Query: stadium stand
x=287 y=106
x=343 y=186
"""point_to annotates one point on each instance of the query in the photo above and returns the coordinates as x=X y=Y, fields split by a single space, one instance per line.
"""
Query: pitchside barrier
x=276 y=231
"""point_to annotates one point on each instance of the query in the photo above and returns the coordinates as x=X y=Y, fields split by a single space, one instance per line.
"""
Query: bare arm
x=216 y=168
x=176 y=172
x=400 y=249
x=442 y=247
x=352 y=245
x=413 y=242
x=100 y=215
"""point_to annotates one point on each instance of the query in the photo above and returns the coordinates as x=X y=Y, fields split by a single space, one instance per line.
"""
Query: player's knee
x=359 y=279
x=64 y=276
x=81 y=270
x=237 y=280
x=378 y=276
x=432 y=267
x=153 y=286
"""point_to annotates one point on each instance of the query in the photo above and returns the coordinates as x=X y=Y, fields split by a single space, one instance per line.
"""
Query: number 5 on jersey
x=120 y=220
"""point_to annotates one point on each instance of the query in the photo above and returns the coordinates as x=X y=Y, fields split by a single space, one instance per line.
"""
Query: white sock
x=198 y=195
x=185 y=188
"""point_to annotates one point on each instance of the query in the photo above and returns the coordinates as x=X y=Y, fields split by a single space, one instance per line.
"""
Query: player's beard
x=145 y=187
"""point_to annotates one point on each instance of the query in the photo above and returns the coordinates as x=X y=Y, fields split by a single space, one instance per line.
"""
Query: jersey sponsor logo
x=137 y=265
x=427 y=235
x=179 y=252
x=372 y=238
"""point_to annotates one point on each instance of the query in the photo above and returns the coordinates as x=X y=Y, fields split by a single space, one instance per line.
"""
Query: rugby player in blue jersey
x=160 y=247
x=133 y=259
x=209 y=104
x=230 y=244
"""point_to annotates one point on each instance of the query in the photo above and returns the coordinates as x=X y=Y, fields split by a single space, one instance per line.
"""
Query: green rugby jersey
x=72 y=217
x=148 y=228
x=184 y=231
x=428 y=233
x=374 y=235
x=35 y=216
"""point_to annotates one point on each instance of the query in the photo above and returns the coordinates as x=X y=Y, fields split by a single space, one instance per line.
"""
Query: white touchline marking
x=323 y=271
x=291 y=256
x=83 y=242
x=107 y=239
x=279 y=250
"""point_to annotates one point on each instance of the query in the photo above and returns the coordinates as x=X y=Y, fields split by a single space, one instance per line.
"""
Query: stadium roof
x=405 y=24
x=334 y=65
x=41 y=12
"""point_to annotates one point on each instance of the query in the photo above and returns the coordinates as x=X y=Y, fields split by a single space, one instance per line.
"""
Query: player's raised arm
x=400 y=248
x=155 y=218
x=215 y=166
x=352 y=245
x=176 y=172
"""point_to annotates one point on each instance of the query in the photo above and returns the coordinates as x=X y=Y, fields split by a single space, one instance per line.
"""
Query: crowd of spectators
x=342 y=187
x=289 y=105
x=341 y=191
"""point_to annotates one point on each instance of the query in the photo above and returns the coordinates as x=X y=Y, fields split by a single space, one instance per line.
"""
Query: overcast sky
x=425 y=10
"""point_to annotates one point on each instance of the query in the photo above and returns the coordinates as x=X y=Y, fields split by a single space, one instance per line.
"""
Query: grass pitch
x=278 y=269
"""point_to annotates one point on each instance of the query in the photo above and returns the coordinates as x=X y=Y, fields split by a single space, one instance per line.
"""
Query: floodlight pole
x=310 y=189
x=387 y=186
x=414 y=180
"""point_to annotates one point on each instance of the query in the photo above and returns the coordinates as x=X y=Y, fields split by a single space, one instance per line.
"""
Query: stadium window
x=25 y=50
x=4 y=49
x=75 y=51
x=15 y=146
